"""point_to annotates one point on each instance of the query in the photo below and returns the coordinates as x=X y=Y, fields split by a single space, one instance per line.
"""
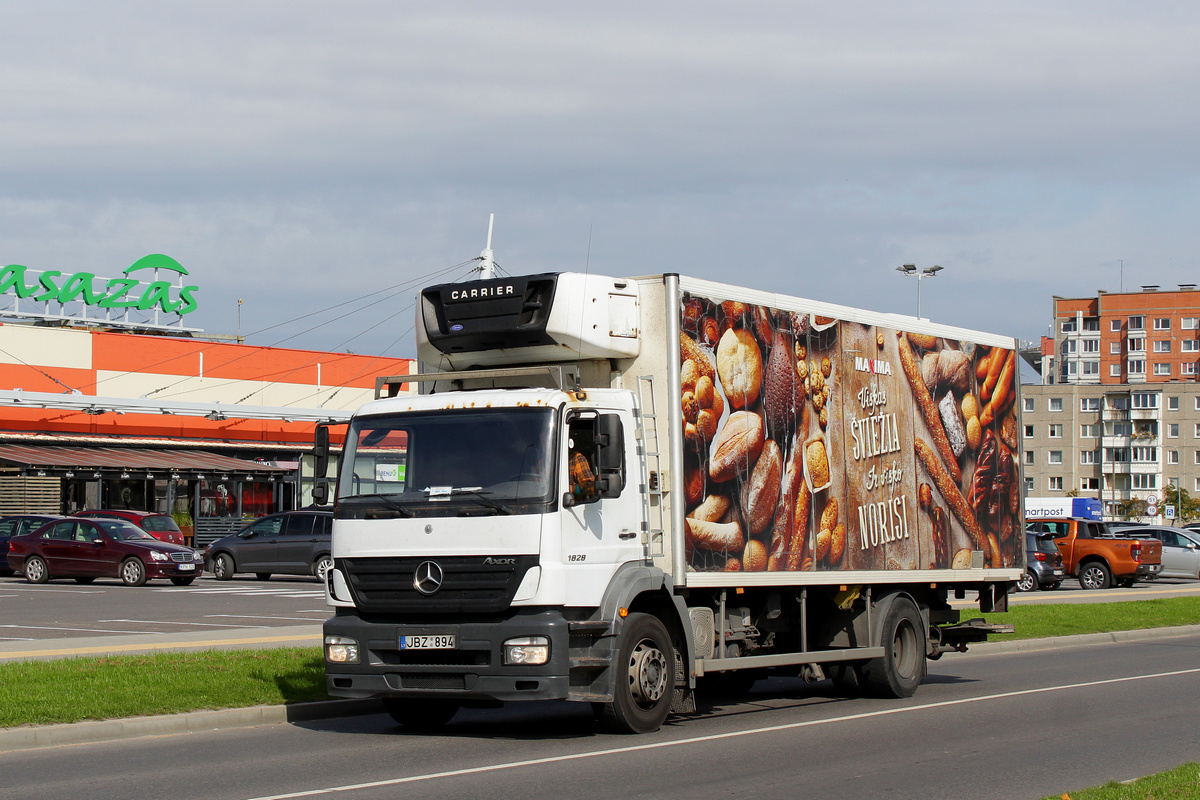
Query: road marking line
x=170 y=622
x=255 y=616
x=712 y=738
x=52 y=628
x=119 y=648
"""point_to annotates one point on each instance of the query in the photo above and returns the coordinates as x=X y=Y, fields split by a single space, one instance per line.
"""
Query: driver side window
x=581 y=460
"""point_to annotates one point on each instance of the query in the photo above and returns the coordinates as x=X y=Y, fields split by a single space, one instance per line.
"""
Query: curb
x=37 y=736
x=29 y=737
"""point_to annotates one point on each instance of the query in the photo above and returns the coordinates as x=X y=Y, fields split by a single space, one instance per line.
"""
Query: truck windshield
x=496 y=460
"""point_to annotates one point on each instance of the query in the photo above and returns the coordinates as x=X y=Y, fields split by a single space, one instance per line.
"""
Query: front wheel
x=35 y=570
x=420 y=714
x=321 y=567
x=133 y=572
x=1095 y=575
x=902 y=668
x=222 y=567
x=1027 y=582
x=645 y=677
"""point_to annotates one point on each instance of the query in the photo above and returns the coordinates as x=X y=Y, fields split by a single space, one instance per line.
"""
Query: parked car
x=1044 y=563
x=86 y=549
x=289 y=543
x=16 y=525
x=1180 y=549
x=160 y=526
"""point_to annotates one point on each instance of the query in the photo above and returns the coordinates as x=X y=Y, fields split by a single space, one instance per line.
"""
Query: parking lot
x=63 y=609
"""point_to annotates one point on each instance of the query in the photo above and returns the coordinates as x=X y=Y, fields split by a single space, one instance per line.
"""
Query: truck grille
x=468 y=585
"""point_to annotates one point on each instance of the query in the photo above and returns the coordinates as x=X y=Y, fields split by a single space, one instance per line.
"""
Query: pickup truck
x=1096 y=556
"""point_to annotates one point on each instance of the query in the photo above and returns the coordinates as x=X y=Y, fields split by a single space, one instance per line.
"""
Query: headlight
x=158 y=555
x=341 y=650
x=527 y=650
x=196 y=556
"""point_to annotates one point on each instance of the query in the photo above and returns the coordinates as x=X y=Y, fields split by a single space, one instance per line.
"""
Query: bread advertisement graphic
x=817 y=444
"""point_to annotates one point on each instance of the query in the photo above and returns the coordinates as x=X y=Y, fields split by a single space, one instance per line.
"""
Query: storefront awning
x=130 y=463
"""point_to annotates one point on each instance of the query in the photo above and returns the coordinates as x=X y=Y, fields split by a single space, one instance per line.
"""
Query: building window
x=1137 y=323
x=1141 y=481
x=1091 y=367
x=1056 y=404
x=1137 y=345
x=1145 y=399
x=1090 y=346
x=1173 y=430
x=1197 y=487
x=1030 y=404
x=1145 y=455
x=1162 y=347
x=1054 y=457
x=1114 y=348
x=1190 y=345
x=1089 y=484
x=1196 y=457
x=1068 y=346
x=1056 y=484
x=1056 y=431
x=1173 y=403
x=1092 y=324
x=1172 y=456
x=1121 y=428
x=1162 y=369
x=1029 y=457
x=1137 y=367
x=1029 y=431
x=1089 y=404
x=1190 y=323
x=1187 y=369
x=1162 y=323
x=1114 y=370
x=1068 y=325
x=1114 y=325
x=1087 y=456
x=1117 y=455
x=1089 y=431
x=1029 y=485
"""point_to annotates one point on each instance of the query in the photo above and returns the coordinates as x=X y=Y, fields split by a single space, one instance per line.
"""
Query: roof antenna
x=487 y=265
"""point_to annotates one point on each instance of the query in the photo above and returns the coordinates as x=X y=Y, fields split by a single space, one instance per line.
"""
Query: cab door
x=599 y=533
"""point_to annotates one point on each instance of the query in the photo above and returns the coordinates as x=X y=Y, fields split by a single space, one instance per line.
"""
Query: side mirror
x=320 y=465
x=610 y=454
x=246 y=535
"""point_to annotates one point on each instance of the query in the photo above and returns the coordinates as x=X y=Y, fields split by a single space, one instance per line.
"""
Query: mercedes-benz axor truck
x=623 y=491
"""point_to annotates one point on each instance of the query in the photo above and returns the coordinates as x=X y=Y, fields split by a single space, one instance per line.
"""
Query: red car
x=160 y=526
x=86 y=549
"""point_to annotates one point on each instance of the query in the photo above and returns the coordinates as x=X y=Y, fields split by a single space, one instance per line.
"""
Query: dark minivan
x=289 y=543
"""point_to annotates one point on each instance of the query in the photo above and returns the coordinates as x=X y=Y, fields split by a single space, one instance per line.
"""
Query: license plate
x=187 y=567
x=1058 y=572
x=440 y=642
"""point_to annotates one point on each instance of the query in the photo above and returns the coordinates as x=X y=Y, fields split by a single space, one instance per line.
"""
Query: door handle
x=626 y=534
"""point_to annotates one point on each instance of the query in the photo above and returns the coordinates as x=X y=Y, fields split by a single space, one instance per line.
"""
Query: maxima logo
x=875 y=366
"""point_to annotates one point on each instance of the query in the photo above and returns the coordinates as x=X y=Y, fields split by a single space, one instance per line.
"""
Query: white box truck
x=620 y=490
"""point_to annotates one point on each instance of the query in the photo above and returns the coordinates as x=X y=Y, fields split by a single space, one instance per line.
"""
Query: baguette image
x=928 y=408
x=954 y=497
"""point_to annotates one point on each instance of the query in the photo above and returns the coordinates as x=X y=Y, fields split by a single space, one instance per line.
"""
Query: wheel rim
x=33 y=570
x=219 y=567
x=131 y=572
x=1025 y=584
x=647 y=673
x=323 y=567
x=1093 y=578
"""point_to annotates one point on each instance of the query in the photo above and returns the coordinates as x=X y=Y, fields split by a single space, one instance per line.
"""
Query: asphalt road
x=983 y=726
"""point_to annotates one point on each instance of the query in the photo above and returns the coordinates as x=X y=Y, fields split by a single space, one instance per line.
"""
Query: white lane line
x=50 y=628
x=36 y=589
x=16 y=639
x=715 y=737
x=171 y=622
x=255 y=616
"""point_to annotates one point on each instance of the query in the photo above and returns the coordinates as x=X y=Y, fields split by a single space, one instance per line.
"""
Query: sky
x=320 y=162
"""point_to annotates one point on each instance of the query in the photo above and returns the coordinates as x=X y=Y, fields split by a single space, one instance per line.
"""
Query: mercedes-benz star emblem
x=428 y=577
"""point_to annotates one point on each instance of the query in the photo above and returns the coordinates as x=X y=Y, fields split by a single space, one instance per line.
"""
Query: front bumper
x=172 y=569
x=473 y=670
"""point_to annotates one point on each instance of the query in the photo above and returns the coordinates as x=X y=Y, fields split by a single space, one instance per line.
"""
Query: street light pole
x=928 y=272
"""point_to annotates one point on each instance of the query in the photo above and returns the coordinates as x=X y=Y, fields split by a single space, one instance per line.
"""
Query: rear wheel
x=420 y=714
x=321 y=567
x=35 y=570
x=263 y=576
x=183 y=581
x=902 y=668
x=1027 y=582
x=133 y=572
x=222 y=567
x=1095 y=575
x=645 y=671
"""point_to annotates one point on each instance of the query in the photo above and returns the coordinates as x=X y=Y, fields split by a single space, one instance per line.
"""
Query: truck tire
x=420 y=714
x=1027 y=582
x=645 y=677
x=1095 y=575
x=902 y=668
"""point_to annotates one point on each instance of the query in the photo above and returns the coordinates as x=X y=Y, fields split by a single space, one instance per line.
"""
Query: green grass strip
x=110 y=687
x=1176 y=784
x=1069 y=619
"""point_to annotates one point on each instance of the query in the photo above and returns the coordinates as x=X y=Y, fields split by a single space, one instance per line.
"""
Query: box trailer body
x=614 y=490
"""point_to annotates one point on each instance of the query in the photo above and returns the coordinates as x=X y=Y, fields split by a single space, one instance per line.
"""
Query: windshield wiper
x=476 y=493
x=387 y=500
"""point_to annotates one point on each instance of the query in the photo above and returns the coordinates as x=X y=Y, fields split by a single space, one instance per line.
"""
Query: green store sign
x=131 y=291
